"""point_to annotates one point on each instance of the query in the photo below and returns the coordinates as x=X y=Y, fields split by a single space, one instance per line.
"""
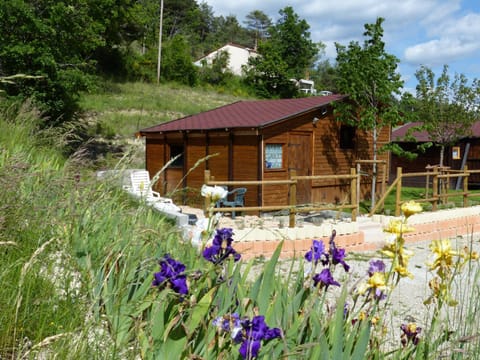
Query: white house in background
x=238 y=56
x=305 y=86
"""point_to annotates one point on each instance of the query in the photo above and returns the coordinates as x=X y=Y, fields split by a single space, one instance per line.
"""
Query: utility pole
x=160 y=42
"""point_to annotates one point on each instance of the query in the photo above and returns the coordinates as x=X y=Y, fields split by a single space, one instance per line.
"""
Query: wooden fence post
x=398 y=194
x=353 y=194
x=384 y=177
x=435 y=190
x=359 y=179
x=293 y=198
x=465 y=186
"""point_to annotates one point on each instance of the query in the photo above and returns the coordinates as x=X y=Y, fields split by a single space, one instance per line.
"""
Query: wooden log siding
x=276 y=194
x=245 y=164
x=155 y=159
x=218 y=144
x=196 y=150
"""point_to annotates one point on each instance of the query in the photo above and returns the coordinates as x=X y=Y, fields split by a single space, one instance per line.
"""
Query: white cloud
x=456 y=40
x=437 y=52
x=428 y=32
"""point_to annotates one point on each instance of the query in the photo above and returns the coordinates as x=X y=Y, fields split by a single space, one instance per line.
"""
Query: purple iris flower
x=410 y=333
x=317 y=253
x=338 y=257
x=376 y=266
x=325 y=278
x=171 y=273
x=221 y=247
x=227 y=323
x=253 y=333
x=249 y=348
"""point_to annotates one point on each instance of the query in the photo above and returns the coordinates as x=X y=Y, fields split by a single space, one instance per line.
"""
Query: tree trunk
x=374 y=167
x=442 y=154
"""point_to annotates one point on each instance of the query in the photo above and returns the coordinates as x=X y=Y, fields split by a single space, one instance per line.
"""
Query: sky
x=432 y=33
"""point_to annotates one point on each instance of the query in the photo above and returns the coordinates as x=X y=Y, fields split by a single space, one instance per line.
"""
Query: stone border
x=442 y=224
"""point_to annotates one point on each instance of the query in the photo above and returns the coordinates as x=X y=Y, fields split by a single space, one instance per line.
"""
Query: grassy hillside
x=128 y=107
x=117 y=111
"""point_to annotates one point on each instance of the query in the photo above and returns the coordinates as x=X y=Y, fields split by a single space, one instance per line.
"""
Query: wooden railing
x=438 y=193
x=439 y=187
x=292 y=206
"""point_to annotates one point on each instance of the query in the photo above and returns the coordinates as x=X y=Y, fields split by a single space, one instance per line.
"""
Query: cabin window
x=176 y=150
x=347 y=137
x=273 y=156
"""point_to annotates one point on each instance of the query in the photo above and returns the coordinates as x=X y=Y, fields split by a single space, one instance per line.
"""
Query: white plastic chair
x=141 y=187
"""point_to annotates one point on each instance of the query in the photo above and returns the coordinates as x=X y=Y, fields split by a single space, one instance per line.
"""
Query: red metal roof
x=245 y=114
x=399 y=133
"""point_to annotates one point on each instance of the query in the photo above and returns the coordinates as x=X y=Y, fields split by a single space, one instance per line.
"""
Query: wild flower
x=376 y=286
x=250 y=333
x=171 y=275
x=444 y=257
x=229 y=323
x=410 y=334
x=394 y=248
x=397 y=227
x=447 y=262
x=317 y=254
x=253 y=333
x=410 y=208
x=376 y=266
x=214 y=193
x=221 y=247
x=338 y=257
x=324 y=279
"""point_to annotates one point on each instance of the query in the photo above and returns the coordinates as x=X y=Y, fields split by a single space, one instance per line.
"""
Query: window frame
x=268 y=156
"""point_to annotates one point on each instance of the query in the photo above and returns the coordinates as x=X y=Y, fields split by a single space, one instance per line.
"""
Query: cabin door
x=300 y=159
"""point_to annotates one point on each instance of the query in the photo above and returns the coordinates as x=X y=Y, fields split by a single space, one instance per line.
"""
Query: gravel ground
x=406 y=300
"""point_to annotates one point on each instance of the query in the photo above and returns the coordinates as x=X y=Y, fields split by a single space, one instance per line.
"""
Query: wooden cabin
x=261 y=140
x=466 y=152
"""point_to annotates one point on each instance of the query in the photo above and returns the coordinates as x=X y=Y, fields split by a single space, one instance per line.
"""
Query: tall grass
x=78 y=257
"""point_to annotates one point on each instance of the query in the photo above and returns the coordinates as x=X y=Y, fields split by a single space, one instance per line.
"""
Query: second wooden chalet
x=261 y=140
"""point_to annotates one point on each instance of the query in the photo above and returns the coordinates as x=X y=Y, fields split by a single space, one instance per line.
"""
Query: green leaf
x=268 y=280
x=361 y=344
x=200 y=311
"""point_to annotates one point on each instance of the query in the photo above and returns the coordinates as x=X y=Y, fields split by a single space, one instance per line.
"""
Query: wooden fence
x=292 y=206
x=437 y=180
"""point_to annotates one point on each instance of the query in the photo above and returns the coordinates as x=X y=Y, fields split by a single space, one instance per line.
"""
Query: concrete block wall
x=296 y=241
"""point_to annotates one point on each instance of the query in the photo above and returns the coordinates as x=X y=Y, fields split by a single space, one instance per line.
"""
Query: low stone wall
x=352 y=235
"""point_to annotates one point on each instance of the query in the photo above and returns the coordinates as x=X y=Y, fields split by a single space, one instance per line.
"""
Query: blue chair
x=238 y=196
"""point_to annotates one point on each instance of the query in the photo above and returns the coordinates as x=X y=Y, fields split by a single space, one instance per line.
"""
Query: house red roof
x=245 y=114
x=398 y=134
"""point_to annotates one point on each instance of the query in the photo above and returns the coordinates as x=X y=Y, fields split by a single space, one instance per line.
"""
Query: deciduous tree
x=447 y=108
x=287 y=54
x=368 y=75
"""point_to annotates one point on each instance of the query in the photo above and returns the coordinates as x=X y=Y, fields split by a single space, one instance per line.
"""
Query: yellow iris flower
x=397 y=227
x=411 y=208
x=444 y=255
